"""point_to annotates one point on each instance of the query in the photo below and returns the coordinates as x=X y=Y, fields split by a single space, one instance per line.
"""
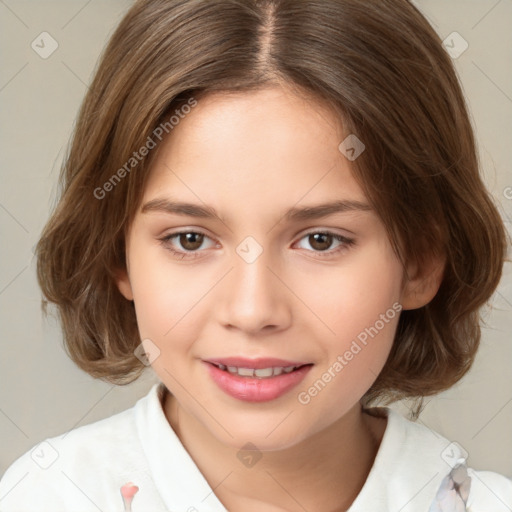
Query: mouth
x=256 y=380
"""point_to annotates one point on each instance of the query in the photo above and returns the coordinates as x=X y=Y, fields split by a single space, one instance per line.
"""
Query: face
x=263 y=280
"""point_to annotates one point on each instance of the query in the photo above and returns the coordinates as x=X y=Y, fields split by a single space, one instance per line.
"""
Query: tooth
x=222 y=367
x=232 y=369
x=278 y=371
x=289 y=369
x=246 y=372
x=263 y=372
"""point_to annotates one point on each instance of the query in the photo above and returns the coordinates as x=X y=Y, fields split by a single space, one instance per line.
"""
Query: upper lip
x=264 y=362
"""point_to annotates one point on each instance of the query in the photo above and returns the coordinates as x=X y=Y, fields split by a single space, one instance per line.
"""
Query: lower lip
x=252 y=389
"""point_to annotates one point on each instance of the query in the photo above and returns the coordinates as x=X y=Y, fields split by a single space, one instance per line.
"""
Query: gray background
x=42 y=393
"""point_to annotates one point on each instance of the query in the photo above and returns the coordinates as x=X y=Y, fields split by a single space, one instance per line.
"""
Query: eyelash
x=346 y=243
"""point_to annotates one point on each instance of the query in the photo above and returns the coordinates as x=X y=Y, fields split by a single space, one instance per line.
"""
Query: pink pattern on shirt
x=453 y=492
x=128 y=491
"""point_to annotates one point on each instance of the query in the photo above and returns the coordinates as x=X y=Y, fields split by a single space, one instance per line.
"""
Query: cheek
x=165 y=295
x=359 y=306
x=353 y=296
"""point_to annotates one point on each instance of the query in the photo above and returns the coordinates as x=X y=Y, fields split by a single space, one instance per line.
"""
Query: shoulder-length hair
x=379 y=65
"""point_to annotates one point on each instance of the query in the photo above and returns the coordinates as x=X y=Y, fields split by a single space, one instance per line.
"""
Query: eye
x=321 y=241
x=191 y=241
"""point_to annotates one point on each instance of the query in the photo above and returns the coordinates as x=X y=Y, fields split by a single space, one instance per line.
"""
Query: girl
x=277 y=205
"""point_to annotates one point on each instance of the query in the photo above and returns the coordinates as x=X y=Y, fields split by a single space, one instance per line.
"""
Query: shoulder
x=416 y=468
x=489 y=491
x=71 y=469
x=481 y=491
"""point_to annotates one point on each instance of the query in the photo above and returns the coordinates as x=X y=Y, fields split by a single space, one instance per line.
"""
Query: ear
x=123 y=283
x=423 y=282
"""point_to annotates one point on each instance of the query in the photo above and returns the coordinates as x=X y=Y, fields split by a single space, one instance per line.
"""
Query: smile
x=256 y=384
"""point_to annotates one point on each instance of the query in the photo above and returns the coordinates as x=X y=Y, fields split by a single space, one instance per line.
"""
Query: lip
x=253 y=389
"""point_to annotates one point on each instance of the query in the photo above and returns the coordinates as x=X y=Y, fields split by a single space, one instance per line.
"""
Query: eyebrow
x=293 y=214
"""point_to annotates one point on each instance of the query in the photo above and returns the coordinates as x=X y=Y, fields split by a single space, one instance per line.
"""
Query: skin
x=252 y=156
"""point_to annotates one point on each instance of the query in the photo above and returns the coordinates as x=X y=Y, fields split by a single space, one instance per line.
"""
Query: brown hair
x=379 y=65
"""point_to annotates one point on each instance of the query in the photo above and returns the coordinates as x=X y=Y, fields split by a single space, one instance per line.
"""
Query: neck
x=324 y=472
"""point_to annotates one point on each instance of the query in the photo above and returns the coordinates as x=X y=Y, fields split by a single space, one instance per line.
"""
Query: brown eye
x=326 y=243
x=186 y=244
x=320 y=241
x=191 y=241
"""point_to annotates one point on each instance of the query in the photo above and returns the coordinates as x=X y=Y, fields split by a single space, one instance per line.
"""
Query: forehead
x=254 y=150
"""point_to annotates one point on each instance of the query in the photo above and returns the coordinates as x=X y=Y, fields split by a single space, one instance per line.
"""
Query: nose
x=254 y=297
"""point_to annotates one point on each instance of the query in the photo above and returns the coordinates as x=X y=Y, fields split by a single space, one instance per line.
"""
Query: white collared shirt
x=84 y=469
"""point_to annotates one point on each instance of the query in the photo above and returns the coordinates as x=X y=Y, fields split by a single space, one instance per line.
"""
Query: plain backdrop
x=42 y=393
